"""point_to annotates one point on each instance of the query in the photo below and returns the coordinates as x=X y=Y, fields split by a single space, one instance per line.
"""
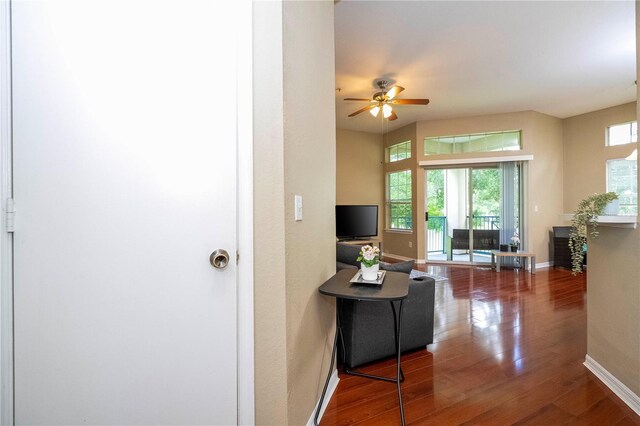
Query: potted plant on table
x=369 y=258
x=586 y=215
x=515 y=243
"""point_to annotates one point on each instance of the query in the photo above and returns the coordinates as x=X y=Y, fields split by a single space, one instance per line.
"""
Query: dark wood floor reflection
x=508 y=349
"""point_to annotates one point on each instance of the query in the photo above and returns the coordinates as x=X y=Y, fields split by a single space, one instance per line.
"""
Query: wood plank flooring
x=508 y=349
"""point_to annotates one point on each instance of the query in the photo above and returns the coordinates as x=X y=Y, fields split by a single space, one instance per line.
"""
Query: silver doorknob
x=219 y=259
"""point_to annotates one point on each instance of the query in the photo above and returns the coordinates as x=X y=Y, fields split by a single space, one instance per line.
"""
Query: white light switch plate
x=297 y=212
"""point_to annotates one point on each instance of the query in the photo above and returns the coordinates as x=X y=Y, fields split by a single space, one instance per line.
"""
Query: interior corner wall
x=359 y=174
x=585 y=153
x=309 y=171
x=270 y=344
x=613 y=305
x=402 y=243
x=543 y=209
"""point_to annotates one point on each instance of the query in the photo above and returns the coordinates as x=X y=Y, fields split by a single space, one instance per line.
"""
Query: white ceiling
x=480 y=57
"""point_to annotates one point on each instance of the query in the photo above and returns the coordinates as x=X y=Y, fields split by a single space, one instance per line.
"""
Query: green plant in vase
x=586 y=215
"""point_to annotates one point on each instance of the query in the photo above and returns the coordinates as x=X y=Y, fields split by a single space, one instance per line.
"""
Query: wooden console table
x=496 y=255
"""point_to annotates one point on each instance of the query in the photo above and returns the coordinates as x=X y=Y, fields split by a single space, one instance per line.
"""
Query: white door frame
x=244 y=158
x=6 y=238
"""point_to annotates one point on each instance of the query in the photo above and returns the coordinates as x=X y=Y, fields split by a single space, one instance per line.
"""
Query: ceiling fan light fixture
x=386 y=110
x=374 y=111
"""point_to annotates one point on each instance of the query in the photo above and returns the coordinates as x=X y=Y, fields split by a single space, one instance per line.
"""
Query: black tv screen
x=356 y=221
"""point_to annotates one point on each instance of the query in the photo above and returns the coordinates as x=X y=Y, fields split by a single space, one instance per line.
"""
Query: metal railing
x=485 y=222
x=437 y=230
x=436 y=233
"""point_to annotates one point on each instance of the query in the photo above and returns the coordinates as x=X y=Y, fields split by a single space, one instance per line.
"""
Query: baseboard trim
x=397 y=256
x=421 y=261
x=616 y=386
x=333 y=384
x=544 y=265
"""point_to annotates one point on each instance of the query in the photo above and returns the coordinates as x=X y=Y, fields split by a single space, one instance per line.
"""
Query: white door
x=124 y=184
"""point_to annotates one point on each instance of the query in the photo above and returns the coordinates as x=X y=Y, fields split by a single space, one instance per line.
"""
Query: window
x=400 y=151
x=479 y=142
x=622 y=178
x=399 y=200
x=622 y=134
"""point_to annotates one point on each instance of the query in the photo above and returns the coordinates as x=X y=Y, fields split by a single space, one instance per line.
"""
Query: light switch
x=535 y=208
x=297 y=212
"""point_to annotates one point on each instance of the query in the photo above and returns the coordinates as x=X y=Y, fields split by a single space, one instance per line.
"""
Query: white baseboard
x=333 y=384
x=616 y=386
x=421 y=261
x=544 y=265
x=397 y=256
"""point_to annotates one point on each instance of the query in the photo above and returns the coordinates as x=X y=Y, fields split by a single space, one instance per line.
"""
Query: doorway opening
x=471 y=210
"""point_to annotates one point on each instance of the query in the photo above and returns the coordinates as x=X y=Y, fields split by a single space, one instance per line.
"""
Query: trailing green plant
x=586 y=215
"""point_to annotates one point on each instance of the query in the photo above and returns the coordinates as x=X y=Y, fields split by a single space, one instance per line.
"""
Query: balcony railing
x=437 y=230
x=485 y=222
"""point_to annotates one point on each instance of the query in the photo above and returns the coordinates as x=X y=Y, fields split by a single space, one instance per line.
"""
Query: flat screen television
x=356 y=222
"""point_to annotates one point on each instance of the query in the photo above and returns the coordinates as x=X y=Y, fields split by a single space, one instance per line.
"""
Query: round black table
x=395 y=288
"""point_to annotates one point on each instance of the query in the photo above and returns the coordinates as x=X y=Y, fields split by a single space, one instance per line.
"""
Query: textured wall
x=310 y=171
x=584 y=144
x=613 y=279
x=359 y=175
x=269 y=226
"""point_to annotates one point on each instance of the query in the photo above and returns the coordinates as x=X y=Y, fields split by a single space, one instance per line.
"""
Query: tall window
x=622 y=134
x=399 y=200
x=622 y=178
x=400 y=151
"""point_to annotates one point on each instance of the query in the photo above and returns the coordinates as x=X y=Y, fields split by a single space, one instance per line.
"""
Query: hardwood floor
x=508 y=349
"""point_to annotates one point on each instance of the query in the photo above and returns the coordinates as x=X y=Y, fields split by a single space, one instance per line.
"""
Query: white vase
x=612 y=208
x=369 y=273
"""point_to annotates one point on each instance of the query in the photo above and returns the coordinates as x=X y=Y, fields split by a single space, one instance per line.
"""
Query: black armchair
x=367 y=327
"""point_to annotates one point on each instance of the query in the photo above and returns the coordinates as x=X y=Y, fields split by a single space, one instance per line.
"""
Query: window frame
x=470 y=137
x=607 y=136
x=407 y=146
x=391 y=203
x=625 y=206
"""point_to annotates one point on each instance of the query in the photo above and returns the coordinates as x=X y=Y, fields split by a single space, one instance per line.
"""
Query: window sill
x=630 y=222
x=399 y=231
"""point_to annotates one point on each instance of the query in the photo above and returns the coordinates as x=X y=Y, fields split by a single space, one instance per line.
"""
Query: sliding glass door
x=484 y=233
x=471 y=210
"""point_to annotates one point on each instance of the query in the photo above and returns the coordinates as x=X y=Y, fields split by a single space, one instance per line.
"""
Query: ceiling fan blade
x=358 y=99
x=367 y=108
x=393 y=116
x=394 y=91
x=410 y=101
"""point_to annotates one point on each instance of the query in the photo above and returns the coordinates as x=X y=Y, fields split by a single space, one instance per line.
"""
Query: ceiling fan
x=383 y=100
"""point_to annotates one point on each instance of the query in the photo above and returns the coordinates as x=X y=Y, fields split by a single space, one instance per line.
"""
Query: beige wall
x=401 y=243
x=585 y=153
x=613 y=278
x=269 y=289
x=359 y=175
x=541 y=136
x=613 y=305
x=294 y=153
x=310 y=171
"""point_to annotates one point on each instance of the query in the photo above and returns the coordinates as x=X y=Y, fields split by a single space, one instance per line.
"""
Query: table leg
x=497 y=263
x=398 y=354
x=493 y=260
x=533 y=264
x=352 y=372
x=333 y=357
